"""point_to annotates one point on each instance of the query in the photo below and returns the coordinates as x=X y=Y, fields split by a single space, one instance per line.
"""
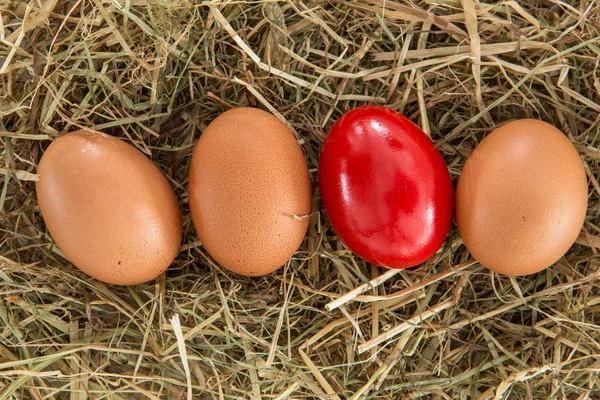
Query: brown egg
x=108 y=208
x=521 y=199
x=248 y=185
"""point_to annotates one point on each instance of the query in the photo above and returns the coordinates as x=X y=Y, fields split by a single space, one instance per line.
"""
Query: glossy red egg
x=385 y=187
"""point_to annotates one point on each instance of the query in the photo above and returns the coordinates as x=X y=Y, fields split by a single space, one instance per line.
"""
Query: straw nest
x=156 y=72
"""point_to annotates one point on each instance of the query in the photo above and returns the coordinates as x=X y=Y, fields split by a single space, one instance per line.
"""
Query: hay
x=156 y=72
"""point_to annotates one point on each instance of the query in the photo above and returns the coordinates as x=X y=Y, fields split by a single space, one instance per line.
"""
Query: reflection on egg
x=521 y=199
x=109 y=209
x=249 y=188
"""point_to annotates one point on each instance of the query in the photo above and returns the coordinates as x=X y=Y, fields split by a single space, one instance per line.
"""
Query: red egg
x=385 y=188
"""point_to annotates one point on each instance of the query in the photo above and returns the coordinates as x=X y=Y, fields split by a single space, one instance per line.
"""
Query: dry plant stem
x=353 y=294
x=486 y=50
x=472 y=28
x=416 y=320
x=362 y=289
x=387 y=306
x=318 y=376
x=288 y=292
x=175 y=322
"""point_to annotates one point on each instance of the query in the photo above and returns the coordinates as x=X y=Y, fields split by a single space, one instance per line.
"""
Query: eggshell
x=249 y=188
x=521 y=199
x=108 y=208
x=385 y=187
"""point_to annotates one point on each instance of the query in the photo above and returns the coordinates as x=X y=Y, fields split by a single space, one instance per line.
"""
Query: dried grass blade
x=176 y=324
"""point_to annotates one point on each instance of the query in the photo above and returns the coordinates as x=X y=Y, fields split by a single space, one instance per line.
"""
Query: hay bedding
x=155 y=72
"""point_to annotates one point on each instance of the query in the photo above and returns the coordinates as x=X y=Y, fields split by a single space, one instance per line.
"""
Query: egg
x=385 y=187
x=108 y=208
x=249 y=191
x=521 y=199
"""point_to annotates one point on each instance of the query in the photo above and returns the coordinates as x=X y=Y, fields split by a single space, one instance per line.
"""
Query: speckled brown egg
x=249 y=191
x=521 y=199
x=108 y=208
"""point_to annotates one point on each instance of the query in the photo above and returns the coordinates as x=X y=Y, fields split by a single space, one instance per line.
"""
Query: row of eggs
x=521 y=199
